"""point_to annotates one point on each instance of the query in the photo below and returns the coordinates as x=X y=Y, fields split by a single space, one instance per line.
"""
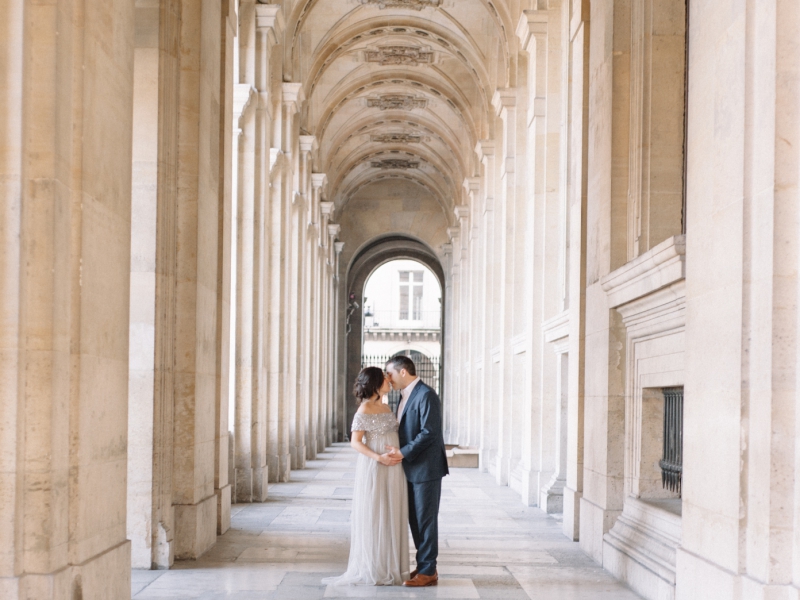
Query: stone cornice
x=659 y=267
x=532 y=23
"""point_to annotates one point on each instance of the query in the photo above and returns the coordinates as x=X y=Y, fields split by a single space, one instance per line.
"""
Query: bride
x=379 y=517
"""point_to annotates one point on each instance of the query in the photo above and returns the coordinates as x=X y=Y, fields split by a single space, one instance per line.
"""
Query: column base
x=595 y=523
x=640 y=548
x=321 y=445
x=502 y=468
x=530 y=483
x=572 y=520
x=279 y=467
x=251 y=484
x=195 y=528
x=299 y=457
x=551 y=496
x=107 y=575
x=223 y=508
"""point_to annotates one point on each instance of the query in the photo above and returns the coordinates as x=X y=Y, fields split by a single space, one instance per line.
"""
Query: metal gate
x=428 y=370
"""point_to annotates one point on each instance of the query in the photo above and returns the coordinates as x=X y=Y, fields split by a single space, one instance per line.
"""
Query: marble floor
x=490 y=546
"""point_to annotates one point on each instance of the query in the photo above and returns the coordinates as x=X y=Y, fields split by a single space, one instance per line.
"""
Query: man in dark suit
x=424 y=462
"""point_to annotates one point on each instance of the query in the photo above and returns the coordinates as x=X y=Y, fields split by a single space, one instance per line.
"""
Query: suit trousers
x=423 y=517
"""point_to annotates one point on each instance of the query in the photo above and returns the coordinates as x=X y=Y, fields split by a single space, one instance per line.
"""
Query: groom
x=424 y=462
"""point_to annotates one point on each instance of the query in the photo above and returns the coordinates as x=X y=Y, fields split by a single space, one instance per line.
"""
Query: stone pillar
x=331 y=308
x=741 y=498
x=504 y=102
x=319 y=365
x=198 y=212
x=222 y=485
x=454 y=357
x=466 y=380
x=66 y=255
x=576 y=22
x=472 y=360
x=487 y=299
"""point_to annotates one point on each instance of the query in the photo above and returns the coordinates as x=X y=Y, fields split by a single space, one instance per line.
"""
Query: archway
x=365 y=262
x=402 y=315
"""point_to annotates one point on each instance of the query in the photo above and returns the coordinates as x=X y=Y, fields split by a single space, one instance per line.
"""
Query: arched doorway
x=366 y=262
x=402 y=315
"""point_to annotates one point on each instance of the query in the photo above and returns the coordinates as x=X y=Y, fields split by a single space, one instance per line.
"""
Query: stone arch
x=366 y=260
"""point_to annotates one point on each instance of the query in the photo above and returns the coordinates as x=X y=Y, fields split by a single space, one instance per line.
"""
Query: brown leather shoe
x=420 y=580
x=413 y=574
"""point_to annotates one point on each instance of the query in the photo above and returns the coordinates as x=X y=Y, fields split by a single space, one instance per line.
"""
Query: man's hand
x=392 y=451
x=388 y=459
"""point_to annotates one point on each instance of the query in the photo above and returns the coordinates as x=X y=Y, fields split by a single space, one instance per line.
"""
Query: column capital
x=484 y=148
x=334 y=229
x=472 y=185
x=504 y=98
x=292 y=93
x=308 y=143
x=338 y=247
x=318 y=180
x=461 y=212
x=447 y=249
x=326 y=208
x=269 y=17
x=532 y=24
x=453 y=233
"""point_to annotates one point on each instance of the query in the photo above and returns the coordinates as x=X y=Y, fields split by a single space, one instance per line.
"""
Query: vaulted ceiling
x=399 y=89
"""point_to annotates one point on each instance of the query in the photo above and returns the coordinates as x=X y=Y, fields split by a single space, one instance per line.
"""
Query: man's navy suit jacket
x=421 y=438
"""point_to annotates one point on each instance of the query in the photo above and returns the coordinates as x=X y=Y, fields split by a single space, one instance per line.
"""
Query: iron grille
x=427 y=370
x=671 y=462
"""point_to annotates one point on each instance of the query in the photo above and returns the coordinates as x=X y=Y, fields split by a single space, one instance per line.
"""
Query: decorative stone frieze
x=396 y=138
x=397 y=102
x=412 y=4
x=409 y=56
x=395 y=163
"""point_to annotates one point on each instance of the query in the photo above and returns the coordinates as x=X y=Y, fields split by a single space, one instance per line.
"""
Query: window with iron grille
x=671 y=462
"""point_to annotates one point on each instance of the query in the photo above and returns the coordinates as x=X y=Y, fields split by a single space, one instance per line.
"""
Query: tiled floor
x=490 y=546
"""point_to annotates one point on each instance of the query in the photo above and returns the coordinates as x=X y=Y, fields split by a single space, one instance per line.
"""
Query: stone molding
x=519 y=343
x=410 y=4
x=556 y=328
x=397 y=102
x=407 y=56
x=660 y=266
x=532 y=23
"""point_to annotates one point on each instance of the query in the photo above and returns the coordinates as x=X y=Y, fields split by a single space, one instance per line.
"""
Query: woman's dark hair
x=368 y=383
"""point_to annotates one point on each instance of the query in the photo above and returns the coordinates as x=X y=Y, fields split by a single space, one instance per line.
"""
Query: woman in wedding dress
x=379 y=516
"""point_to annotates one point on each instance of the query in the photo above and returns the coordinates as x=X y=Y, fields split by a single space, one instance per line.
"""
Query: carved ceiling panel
x=396 y=138
x=395 y=163
x=409 y=56
x=412 y=4
x=397 y=102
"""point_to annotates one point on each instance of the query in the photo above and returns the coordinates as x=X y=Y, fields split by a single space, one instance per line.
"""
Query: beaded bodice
x=375 y=424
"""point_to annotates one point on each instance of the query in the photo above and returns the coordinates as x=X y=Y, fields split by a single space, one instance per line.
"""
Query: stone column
x=741 y=497
x=487 y=300
x=66 y=258
x=473 y=299
x=319 y=366
x=454 y=357
x=199 y=130
x=504 y=102
x=331 y=307
x=466 y=381
x=576 y=22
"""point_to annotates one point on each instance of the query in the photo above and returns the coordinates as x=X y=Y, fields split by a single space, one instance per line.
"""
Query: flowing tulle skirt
x=378 y=521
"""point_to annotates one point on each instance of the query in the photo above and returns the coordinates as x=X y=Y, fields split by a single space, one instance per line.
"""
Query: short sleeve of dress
x=359 y=423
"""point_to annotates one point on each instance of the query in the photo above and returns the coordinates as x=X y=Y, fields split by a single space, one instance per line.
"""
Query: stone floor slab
x=491 y=547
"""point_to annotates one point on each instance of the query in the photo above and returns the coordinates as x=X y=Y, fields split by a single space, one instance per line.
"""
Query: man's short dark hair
x=401 y=362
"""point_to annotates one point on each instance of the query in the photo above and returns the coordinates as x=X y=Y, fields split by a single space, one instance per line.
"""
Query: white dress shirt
x=405 y=394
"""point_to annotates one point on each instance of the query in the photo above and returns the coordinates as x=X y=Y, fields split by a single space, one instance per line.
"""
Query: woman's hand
x=389 y=459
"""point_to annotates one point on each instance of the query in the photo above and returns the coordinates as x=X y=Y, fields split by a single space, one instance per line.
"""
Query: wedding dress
x=379 y=516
